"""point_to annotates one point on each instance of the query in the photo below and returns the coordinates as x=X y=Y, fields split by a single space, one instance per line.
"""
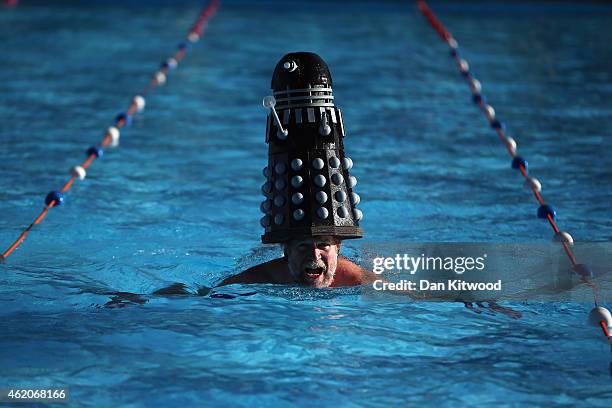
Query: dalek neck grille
x=306 y=97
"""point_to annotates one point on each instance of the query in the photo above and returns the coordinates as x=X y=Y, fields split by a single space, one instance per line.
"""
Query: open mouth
x=313 y=273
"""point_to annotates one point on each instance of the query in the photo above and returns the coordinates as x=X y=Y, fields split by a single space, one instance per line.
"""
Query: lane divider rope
x=599 y=316
x=111 y=136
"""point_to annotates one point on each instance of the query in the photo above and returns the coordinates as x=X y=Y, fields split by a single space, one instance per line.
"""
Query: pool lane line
x=545 y=211
x=111 y=136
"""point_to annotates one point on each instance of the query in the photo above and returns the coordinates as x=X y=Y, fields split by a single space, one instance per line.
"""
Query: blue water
x=179 y=202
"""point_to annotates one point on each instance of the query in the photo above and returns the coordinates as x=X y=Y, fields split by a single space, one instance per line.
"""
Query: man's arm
x=267 y=272
x=251 y=275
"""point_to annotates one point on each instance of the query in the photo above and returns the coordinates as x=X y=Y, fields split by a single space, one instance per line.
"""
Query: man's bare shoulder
x=349 y=273
x=267 y=272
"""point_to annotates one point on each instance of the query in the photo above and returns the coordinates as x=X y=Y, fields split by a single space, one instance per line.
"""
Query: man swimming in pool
x=309 y=261
x=310 y=206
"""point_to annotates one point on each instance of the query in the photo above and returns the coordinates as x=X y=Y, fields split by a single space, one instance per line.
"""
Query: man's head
x=313 y=260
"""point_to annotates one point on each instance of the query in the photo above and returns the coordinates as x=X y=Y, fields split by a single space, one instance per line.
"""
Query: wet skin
x=277 y=271
x=308 y=261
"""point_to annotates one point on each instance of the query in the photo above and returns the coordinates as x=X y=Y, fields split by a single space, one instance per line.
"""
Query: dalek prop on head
x=308 y=189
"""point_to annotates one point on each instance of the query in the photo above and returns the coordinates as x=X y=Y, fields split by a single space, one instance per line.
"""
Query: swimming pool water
x=179 y=202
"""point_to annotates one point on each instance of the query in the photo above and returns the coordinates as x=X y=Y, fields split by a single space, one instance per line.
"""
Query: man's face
x=313 y=261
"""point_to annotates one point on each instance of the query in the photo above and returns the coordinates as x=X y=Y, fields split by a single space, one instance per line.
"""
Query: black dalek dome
x=300 y=69
x=308 y=189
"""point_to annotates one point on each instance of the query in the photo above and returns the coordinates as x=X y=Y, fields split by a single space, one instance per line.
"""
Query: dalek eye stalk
x=308 y=189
